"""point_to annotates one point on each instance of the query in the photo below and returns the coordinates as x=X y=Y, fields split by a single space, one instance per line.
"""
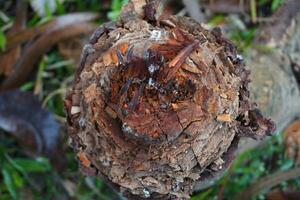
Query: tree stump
x=159 y=102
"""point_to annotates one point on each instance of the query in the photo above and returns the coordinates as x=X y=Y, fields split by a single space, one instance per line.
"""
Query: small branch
x=25 y=64
x=268 y=182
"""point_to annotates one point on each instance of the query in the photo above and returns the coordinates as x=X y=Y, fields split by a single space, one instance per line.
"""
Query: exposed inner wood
x=159 y=104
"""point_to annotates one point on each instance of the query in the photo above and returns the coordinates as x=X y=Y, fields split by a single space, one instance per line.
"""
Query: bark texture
x=158 y=102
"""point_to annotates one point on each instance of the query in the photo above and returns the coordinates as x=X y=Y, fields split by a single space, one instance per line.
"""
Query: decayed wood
x=159 y=101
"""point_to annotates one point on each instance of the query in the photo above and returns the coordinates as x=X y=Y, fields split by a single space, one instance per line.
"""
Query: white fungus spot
x=165 y=106
x=118 y=36
x=176 y=187
x=81 y=122
x=239 y=57
x=155 y=35
x=126 y=128
x=146 y=193
x=151 y=82
x=152 y=68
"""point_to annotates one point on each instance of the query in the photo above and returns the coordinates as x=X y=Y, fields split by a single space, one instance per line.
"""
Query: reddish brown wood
x=159 y=106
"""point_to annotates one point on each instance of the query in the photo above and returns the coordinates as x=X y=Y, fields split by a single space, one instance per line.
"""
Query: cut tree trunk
x=159 y=102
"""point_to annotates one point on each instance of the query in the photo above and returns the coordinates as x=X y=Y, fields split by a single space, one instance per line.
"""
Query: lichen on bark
x=157 y=102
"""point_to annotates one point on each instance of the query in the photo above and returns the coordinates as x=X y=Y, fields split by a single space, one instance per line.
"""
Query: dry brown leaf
x=34 y=127
x=56 y=24
x=33 y=53
x=292 y=141
x=8 y=58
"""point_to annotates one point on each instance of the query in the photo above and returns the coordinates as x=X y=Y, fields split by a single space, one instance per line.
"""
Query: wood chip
x=223 y=95
x=122 y=48
x=175 y=106
x=75 y=110
x=192 y=69
x=110 y=112
x=107 y=59
x=90 y=93
x=83 y=159
x=97 y=68
x=224 y=118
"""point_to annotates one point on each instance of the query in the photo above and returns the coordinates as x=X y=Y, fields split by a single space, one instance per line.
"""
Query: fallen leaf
x=292 y=141
x=31 y=55
x=8 y=58
x=57 y=30
x=34 y=127
x=55 y=24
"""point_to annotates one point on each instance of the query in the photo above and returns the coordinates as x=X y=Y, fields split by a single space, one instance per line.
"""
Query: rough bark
x=157 y=102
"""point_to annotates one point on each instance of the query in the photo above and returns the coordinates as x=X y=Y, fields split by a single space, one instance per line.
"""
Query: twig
x=268 y=182
x=61 y=91
x=58 y=23
x=26 y=63
x=253 y=11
